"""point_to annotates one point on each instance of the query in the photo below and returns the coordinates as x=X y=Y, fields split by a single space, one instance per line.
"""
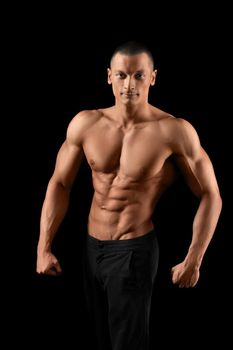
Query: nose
x=129 y=84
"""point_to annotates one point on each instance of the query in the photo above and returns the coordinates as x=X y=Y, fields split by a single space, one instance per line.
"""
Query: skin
x=129 y=148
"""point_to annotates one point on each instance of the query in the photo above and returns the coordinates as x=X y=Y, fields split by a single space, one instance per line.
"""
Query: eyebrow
x=138 y=71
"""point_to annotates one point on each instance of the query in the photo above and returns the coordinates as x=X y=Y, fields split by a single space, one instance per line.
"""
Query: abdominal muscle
x=122 y=208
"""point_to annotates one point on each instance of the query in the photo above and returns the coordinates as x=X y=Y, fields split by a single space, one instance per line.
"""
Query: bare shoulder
x=85 y=118
x=159 y=115
x=79 y=125
x=182 y=128
x=173 y=127
x=181 y=135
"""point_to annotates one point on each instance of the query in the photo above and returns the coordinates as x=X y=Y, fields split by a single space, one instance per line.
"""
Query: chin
x=130 y=100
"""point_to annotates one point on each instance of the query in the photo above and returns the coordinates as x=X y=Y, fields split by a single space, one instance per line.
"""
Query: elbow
x=64 y=186
x=59 y=184
x=215 y=198
x=219 y=200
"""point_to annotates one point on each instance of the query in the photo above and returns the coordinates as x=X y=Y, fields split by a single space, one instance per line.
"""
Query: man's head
x=131 y=73
x=132 y=48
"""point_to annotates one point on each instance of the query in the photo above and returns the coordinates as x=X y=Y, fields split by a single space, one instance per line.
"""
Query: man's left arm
x=199 y=173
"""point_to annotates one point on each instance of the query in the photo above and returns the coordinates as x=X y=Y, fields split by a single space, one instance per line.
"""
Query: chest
x=137 y=153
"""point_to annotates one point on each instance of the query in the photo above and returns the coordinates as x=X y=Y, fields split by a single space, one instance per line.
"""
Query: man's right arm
x=56 y=200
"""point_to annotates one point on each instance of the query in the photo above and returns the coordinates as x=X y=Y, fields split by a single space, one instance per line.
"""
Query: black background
x=61 y=69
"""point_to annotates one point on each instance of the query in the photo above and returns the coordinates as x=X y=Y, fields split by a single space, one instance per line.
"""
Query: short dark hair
x=131 y=48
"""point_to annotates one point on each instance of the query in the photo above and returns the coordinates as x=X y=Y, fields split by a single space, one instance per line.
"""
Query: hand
x=185 y=275
x=48 y=264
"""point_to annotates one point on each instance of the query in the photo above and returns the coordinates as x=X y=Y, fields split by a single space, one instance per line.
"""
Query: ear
x=109 y=72
x=153 y=77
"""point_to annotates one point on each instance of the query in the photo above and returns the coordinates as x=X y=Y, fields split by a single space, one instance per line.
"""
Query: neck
x=128 y=113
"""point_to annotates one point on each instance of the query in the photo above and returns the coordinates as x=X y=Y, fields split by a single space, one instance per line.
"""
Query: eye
x=138 y=76
x=120 y=75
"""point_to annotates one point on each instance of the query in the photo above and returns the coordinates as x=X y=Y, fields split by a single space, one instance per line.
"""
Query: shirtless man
x=128 y=147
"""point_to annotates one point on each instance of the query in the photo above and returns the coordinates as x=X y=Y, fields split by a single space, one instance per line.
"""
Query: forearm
x=204 y=225
x=53 y=211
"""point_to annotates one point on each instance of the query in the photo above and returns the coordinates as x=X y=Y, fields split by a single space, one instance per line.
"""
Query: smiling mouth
x=129 y=94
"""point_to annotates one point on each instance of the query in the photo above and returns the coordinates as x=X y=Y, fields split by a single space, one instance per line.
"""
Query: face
x=131 y=77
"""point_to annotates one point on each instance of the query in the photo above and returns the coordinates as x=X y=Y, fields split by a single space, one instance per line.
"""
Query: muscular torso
x=130 y=170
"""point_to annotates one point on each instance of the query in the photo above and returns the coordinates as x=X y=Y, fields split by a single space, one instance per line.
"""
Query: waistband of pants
x=122 y=243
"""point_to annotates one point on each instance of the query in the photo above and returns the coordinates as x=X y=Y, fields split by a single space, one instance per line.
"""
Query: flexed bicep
x=193 y=160
x=203 y=171
x=68 y=162
x=71 y=153
x=198 y=172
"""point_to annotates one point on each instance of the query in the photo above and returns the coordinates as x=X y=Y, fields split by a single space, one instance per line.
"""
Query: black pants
x=119 y=276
